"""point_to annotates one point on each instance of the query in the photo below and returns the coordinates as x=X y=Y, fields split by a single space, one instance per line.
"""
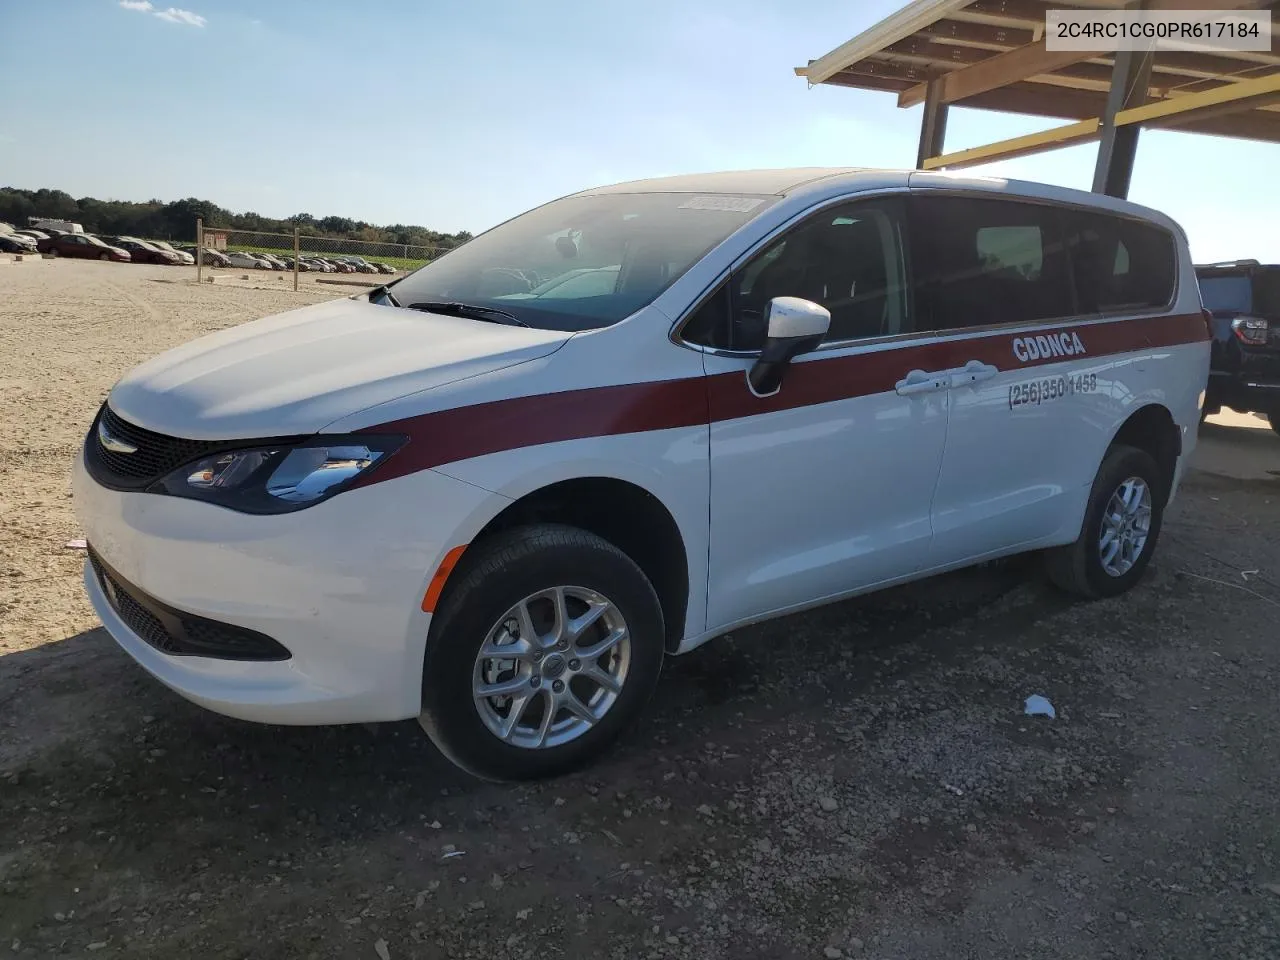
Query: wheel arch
x=626 y=514
x=1152 y=428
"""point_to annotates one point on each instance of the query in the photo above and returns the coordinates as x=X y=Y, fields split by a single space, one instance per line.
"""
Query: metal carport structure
x=991 y=54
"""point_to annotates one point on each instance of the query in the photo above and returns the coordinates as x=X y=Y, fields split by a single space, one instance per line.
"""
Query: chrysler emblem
x=114 y=444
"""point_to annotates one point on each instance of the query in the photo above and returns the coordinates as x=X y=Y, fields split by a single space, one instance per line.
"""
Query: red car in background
x=82 y=245
x=140 y=251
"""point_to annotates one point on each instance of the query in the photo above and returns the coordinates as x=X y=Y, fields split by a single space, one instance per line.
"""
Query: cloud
x=175 y=15
x=172 y=15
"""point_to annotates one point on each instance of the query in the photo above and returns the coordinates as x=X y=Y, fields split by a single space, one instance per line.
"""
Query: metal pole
x=933 y=125
x=199 y=249
x=1118 y=146
x=295 y=259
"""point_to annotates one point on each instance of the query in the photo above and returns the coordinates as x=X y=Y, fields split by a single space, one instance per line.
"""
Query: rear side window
x=980 y=261
x=1120 y=264
x=1227 y=294
x=1266 y=293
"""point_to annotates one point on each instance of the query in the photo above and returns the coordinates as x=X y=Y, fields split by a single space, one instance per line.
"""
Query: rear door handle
x=975 y=371
x=918 y=381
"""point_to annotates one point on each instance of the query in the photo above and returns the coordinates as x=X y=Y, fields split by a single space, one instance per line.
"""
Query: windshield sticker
x=734 y=204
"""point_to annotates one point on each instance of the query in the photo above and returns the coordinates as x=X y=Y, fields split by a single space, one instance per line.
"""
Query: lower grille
x=177 y=633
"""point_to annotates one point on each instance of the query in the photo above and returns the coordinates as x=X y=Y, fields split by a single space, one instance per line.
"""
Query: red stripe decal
x=464 y=432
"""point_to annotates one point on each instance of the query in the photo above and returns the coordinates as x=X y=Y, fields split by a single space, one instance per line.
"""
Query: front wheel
x=548 y=642
x=1121 y=525
x=104 y=257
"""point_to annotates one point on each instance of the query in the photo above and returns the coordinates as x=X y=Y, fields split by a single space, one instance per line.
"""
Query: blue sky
x=458 y=115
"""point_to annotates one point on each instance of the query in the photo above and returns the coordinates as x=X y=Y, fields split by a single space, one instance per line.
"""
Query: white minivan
x=496 y=493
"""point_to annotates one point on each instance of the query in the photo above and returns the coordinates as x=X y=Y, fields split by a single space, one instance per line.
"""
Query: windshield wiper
x=473 y=311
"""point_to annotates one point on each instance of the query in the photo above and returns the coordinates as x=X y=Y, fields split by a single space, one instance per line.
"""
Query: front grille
x=156 y=455
x=177 y=633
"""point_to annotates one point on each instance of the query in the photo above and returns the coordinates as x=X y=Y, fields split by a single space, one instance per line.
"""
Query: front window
x=582 y=262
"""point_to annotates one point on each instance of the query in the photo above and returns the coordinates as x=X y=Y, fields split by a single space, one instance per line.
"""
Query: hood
x=295 y=372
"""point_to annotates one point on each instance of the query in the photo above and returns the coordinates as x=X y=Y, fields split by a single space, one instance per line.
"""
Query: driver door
x=825 y=487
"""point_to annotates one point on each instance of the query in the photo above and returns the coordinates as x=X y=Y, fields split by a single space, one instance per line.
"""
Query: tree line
x=177 y=220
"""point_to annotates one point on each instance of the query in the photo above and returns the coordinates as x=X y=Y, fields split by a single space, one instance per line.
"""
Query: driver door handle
x=919 y=381
x=975 y=371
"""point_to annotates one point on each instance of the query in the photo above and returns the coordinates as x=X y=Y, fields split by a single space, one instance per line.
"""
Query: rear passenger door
x=994 y=281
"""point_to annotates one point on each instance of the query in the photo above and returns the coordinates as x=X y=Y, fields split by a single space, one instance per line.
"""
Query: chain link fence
x=219 y=248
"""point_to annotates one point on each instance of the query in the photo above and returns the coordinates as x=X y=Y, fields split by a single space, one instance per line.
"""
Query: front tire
x=547 y=643
x=104 y=257
x=1121 y=526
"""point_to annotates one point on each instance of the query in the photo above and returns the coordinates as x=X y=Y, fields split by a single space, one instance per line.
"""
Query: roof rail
x=1228 y=263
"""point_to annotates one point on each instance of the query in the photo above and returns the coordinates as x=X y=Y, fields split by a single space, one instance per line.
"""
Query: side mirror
x=795 y=326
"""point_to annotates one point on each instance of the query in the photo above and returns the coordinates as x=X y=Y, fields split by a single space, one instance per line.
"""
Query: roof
x=991 y=54
x=775 y=182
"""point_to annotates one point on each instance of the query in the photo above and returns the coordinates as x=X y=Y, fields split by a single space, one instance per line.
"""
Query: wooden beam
x=1244 y=95
x=1064 y=136
x=998 y=71
x=981 y=36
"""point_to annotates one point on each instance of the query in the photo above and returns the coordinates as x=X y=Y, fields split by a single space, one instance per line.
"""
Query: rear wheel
x=53 y=252
x=547 y=644
x=1121 y=525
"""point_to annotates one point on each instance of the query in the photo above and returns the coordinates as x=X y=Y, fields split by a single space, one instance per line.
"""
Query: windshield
x=582 y=262
x=1226 y=294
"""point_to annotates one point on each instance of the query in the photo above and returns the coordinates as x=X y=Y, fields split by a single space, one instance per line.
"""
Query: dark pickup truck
x=1244 y=366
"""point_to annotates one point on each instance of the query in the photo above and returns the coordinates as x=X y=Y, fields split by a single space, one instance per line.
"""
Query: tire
x=1078 y=568
x=1273 y=418
x=495 y=577
x=104 y=257
x=53 y=252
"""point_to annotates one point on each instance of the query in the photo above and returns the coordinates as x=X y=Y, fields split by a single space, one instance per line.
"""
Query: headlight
x=280 y=479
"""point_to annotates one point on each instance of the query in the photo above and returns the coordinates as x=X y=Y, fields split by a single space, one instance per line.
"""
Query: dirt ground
x=860 y=781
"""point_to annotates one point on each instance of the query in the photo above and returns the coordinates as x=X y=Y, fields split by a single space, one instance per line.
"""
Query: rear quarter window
x=1120 y=264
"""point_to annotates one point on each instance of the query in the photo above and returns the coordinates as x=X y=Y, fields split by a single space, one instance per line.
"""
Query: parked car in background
x=83 y=246
x=238 y=258
x=384 y=267
x=274 y=262
x=318 y=266
x=210 y=257
x=303 y=266
x=33 y=234
x=16 y=243
x=140 y=251
x=339 y=266
x=1244 y=365
x=361 y=265
x=185 y=258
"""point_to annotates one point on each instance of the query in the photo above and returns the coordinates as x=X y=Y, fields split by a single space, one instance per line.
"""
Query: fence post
x=295 y=259
x=199 y=249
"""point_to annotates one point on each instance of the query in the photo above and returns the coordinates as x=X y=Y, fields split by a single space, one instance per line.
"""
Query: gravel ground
x=860 y=781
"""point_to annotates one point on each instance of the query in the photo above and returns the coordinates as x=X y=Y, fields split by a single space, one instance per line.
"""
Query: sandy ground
x=860 y=781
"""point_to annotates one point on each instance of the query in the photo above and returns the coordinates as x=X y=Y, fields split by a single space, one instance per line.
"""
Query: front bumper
x=339 y=585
